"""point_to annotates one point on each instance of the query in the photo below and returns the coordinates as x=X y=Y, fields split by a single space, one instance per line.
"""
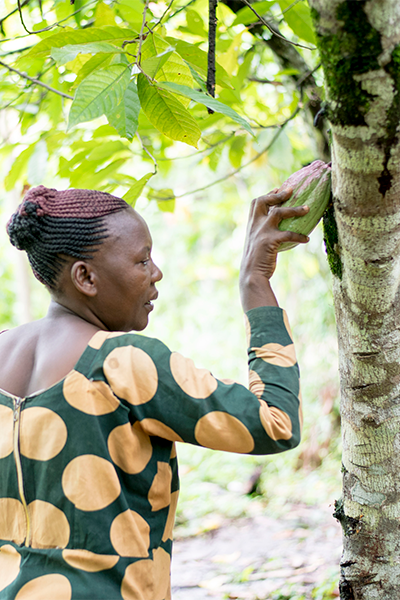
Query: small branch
x=148 y=153
x=271 y=29
x=151 y=29
x=212 y=30
x=22 y=19
x=141 y=36
x=270 y=81
x=49 y=27
x=308 y=74
x=35 y=81
x=180 y=9
x=12 y=12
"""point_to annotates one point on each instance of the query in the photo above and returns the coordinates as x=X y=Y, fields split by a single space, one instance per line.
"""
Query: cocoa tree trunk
x=359 y=47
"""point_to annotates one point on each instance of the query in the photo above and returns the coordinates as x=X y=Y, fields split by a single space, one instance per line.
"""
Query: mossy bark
x=359 y=44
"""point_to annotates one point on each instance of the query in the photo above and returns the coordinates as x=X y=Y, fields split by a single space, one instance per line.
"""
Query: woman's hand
x=261 y=246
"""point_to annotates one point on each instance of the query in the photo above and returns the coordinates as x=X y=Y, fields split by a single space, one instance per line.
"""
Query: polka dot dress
x=88 y=469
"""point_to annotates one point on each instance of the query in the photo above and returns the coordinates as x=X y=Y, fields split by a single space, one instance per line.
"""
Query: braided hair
x=50 y=223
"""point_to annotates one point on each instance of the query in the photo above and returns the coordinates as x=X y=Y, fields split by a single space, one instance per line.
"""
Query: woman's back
x=36 y=355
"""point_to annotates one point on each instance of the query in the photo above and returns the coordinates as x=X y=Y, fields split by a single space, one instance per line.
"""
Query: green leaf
x=125 y=116
x=104 y=15
x=81 y=177
x=298 y=17
x=173 y=68
x=153 y=64
x=18 y=168
x=197 y=59
x=99 y=94
x=245 y=15
x=96 y=62
x=236 y=151
x=71 y=51
x=209 y=102
x=165 y=199
x=166 y=113
x=81 y=36
x=136 y=189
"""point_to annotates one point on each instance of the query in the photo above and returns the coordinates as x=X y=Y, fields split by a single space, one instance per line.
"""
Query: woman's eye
x=145 y=262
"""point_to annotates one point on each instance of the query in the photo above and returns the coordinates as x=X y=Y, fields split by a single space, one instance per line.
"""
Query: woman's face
x=125 y=274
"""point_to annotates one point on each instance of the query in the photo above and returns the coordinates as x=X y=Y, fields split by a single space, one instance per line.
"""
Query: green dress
x=88 y=469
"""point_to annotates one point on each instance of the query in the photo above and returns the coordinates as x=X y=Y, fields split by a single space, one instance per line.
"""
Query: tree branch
x=272 y=30
x=212 y=30
x=12 y=12
x=35 y=81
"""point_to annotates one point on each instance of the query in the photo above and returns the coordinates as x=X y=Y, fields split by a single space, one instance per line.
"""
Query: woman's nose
x=157 y=273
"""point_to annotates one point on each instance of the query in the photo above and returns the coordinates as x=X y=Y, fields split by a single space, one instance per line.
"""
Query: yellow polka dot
x=43 y=433
x=173 y=451
x=90 y=482
x=130 y=447
x=91 y=397
x=46 y=587
x=221 y=431
x=50 y=527
x=256 y=385
x=10 y=561
x=12 y=520
x=101 y=336
x=160 y=490
x=132 y=374
x=198 y=383
x=275 y=422
x=154 y=427
x=247 y=329
x=162 y=568
x=276 y=354
x=287 y=324
x=6 y=428
x=130 y=534
x=169 y=526
x=138 y=581
x=89 y=561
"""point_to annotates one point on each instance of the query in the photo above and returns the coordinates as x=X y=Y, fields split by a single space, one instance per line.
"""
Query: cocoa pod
x=311 y=187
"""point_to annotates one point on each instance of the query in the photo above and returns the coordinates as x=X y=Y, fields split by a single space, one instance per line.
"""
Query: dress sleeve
x=173 y=399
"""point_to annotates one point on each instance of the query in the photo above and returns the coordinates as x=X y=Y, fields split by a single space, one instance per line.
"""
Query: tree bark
x=360 y=52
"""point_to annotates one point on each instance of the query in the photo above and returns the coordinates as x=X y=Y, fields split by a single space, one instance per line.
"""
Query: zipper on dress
x=16 y=435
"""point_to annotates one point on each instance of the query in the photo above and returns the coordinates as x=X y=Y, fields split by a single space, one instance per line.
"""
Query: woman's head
x=92 y=250
x=49 y=224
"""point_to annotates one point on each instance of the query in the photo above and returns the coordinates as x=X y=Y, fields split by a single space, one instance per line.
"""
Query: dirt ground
x=255 y=558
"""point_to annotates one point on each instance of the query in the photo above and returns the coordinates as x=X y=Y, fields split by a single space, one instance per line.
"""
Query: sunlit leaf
x=173 y=68
x=166 y=113
x=99 y=94
x=18 y=168
x=125 y=116
x=152 y=64
x=136 y=189
x=104 y=15
x=237 y=149
x=197 y=59
x=298 y=17
x=209 y=102
x=98 y=61
x=81 y=36
x=70 y=51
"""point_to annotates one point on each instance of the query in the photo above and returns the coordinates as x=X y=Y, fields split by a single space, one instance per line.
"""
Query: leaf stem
x=147 y=152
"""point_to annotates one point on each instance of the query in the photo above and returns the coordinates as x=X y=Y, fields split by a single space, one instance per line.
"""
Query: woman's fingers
x=261 y=204
x=290 y=236
x=278 y=213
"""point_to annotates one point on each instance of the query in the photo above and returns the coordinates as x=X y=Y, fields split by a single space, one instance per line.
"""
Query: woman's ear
x=84 y=278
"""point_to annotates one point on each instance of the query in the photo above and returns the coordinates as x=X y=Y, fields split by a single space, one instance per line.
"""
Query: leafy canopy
x=141 y=68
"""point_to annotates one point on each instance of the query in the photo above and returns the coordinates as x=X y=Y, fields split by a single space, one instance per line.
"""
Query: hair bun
x=24 y=226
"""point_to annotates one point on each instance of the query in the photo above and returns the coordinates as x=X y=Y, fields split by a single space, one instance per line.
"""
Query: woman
x=90 y=413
